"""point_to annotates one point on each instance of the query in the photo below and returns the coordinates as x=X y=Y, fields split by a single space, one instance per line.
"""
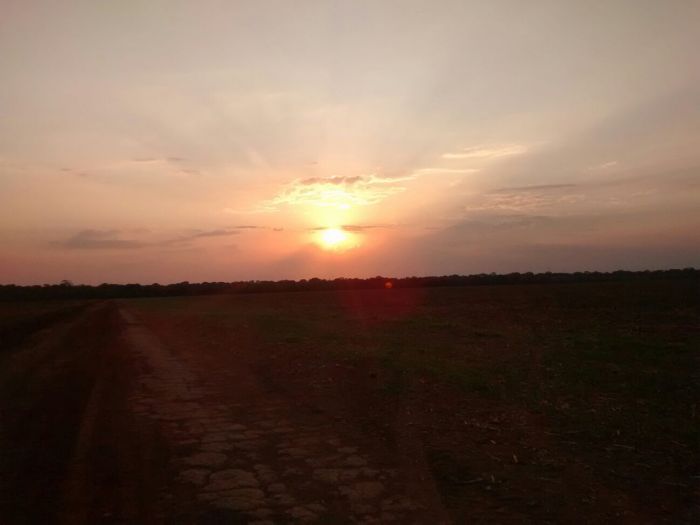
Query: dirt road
x=71 y=450
x=103 y=422
x=571 y=404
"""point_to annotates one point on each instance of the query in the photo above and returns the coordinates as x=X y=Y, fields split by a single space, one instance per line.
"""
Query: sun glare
x=334 y=239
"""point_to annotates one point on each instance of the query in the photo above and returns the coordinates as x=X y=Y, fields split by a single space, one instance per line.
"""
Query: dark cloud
x=361 y=227
x=99 y=239
x=201 y=234
x=253 y=227
x=213 y=233
x=71 y=171
x=111 y=239
x=221 y=232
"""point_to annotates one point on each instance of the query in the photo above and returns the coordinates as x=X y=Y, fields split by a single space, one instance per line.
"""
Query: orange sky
x=212 y=141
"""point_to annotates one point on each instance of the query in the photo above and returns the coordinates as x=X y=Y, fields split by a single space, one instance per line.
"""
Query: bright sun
x=333 y=239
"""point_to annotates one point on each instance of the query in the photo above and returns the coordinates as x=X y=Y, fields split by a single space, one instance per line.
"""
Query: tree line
x=68 y=290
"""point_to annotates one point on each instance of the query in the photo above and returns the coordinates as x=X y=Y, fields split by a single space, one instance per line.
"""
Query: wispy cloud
x=526 y=198
x=445 y=171
x=486 y=152
x=169 y=159
x=99 y=239
x=92 y=239
x=330 y=180
x=354 y=228
x=171 y=166
x=357 y=228
x=605 y=166
x=503 y=222
x=535 y=188
x=337 y=192
x=201 y=234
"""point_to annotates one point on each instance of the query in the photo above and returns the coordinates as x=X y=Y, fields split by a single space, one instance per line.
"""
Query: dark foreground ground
x=569 y=403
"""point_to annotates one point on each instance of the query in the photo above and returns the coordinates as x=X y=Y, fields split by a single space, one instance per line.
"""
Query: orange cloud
x=487 y=152
x=337 y=192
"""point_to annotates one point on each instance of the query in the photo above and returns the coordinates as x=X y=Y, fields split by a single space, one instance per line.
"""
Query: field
x=570 y=403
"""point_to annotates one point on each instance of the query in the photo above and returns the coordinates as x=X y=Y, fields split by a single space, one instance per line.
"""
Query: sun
x=334 y=239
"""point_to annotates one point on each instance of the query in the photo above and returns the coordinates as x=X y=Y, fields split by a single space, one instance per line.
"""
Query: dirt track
x=71 y=451
x=102 y=422
x=571 y=404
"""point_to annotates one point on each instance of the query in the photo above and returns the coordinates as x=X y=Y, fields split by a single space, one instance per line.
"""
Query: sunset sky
x=216 y=141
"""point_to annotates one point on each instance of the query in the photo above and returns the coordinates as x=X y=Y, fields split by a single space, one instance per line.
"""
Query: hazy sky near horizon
x=218 y=140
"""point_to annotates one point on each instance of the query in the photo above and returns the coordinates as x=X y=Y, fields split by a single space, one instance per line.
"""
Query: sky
x=235 y=140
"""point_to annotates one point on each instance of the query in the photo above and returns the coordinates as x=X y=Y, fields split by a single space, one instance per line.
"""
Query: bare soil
x=527 y=404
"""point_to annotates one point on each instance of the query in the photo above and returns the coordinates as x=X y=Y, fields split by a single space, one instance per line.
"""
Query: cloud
x=99 y=239
x=354 y=228
x=526 y=198
x=173 y=164
x=536 y=188
x=486 y=152
x=171 y=159
x=445 y=171
x=337 y=192
x=91 y=239
x=330 y=180
x=264 y=207
x=605 y=166
x=134 y=169
x=200 y=234
x=506 y=221
x=361 y=227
